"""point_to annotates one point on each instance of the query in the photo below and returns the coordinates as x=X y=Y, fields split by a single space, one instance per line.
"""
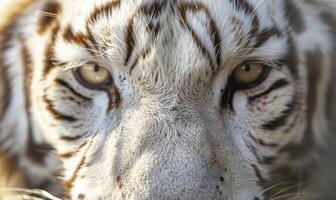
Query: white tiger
x=166 y=99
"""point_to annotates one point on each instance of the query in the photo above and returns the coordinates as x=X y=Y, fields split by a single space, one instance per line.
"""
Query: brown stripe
x=27 y=72
x=68 y=184
x=49 y=51
x=78 y=38
x=104 y=10
x=71 y=138
x=81 y=197
x=71 y=154
x=66 y=155
x=48 y=14
x=35 y=152
x=152 y=10
x=10 y=173
x=114 y=97
x=55 y=113
x=90 y=37
x=183 y=8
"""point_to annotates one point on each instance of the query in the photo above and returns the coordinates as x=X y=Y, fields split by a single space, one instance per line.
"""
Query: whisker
x=294 y=195
x=272 y=187
x=278 y=193
x=36 y=193
x=44 y=13
x=258 y=5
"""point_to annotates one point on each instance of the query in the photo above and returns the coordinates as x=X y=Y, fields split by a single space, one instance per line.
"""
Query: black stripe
x=291 y=59
x=282 y=119
x=261 y=141
x=216 y=38
x=243 y=5
x=183 y=8
x=265 y=35
x=330 y=106
x=277 y=85
x=314 y=62
x=295 y=16
x=153 y=11
x=55 y=113
x=267 y=160
x=258 y=174
x=67 y=85
x=247 y=8
x=130 y=41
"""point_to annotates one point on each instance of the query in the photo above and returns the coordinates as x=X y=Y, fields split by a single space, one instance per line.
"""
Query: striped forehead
x=112 y=22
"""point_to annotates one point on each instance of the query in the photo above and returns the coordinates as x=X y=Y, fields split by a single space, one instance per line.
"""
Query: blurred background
x=327 y=180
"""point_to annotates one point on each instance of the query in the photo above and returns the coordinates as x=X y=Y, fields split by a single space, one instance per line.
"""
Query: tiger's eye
x=249 y=73
x=93 y=76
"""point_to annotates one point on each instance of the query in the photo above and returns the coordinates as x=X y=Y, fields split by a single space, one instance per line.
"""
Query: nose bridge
x=172 y=128
x=172 y=117
x=175 y=151
x=165 y=151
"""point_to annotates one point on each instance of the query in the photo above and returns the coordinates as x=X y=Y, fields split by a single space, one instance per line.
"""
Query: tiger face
x=151 y=99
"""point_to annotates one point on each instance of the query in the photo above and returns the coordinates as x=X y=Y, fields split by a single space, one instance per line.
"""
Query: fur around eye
x=245 y=76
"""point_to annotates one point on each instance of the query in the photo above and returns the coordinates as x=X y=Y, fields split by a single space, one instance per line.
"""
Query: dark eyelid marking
x=67 y=85
x=277 y=85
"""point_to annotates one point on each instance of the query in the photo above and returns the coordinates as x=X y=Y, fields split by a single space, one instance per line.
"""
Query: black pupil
x=247 y=68
x=96 y=68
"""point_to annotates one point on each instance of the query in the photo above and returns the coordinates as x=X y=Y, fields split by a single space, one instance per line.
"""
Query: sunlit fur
x=171 y=126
